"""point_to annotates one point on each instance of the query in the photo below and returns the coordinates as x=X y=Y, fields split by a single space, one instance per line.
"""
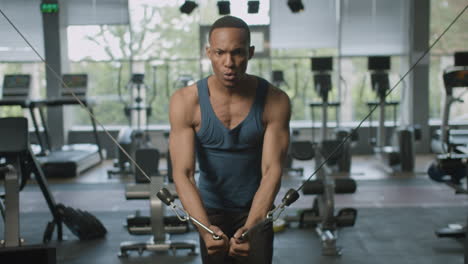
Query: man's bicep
x=276 y=138
x=276 y=143
x=181 y=146
x=181 y=141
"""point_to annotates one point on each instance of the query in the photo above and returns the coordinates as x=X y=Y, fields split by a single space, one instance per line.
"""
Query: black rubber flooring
x=381 y=235
x=395 y=224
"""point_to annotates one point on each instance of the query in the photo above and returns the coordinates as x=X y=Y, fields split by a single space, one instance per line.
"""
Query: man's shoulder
x=271 y=89
x=187 y=95
x=183 y=105
x=277 y=103
x=275 y=94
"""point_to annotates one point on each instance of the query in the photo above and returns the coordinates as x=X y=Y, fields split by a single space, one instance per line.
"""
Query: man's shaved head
x=230 y=22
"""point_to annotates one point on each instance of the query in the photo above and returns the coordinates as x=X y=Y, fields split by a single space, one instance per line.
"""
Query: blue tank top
x=229 y=159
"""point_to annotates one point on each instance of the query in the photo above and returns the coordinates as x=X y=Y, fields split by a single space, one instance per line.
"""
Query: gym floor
x=397 y=216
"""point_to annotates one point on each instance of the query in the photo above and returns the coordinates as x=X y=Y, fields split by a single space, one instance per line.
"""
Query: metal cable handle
x=290 y=197
x=167 y=198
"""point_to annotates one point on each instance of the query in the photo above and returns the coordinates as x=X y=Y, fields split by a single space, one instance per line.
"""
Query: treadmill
x=72 y=159
x=16 y=92
x=455 y=77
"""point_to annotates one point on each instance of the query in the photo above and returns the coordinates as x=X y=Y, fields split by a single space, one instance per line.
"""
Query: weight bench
x=322 y=214
x=345 y=217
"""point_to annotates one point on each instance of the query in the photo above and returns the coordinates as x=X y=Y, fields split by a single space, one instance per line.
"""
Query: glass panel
x=443 y=12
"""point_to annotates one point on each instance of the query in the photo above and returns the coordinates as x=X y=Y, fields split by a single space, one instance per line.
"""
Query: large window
x=103 y=85
x=443 y=12
x=161 y=42
x=352 y=89
x=161 y=35
x=164 y=44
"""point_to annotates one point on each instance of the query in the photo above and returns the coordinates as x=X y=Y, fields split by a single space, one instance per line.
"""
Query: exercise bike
x=134 y=139
x=341 y=161
x=400 y=154
x=330 y=179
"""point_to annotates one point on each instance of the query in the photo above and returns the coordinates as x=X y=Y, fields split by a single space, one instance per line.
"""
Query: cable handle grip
x=168 y=199
x=290 y=197
x=246 y=235
x=165 y=196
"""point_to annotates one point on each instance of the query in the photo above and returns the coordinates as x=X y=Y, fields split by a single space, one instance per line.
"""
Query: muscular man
x=238 y=126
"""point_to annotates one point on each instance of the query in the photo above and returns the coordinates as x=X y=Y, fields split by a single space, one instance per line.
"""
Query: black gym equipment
x=136 y=142
x=158 y=225
x=322 y=215
x=69 y=160
x=16 y=92
x=299 y=150
x=168 y=199
x=332 y=177
x=451 y=166
x=400 y=154
x=134 y=139
x=453 y=78
x=20 y=162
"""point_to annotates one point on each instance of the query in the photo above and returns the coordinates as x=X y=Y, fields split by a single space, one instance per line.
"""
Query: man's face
x=229 y=53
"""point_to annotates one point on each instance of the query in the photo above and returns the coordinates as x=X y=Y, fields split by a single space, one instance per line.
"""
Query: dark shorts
x=261 y=240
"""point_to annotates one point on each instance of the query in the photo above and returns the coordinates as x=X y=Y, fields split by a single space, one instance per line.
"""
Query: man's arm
x=277 y=114
x=275 y=145
x=182 y=148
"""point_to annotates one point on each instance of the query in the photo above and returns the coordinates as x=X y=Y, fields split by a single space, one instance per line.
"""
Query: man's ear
x=207 y=51
x=251 y=51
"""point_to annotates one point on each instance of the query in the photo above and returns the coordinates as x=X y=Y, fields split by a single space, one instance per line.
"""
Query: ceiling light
x=224 y=7
x=188 y=7
x=295 y=5
x=253 y=7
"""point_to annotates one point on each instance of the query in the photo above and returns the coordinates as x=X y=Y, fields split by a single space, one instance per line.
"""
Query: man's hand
x=239 y=247
x=216 y=246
